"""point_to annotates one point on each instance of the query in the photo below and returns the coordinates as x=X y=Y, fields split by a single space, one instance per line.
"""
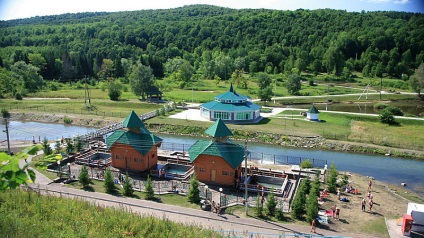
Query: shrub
x=46 y=147
x=386 y=117
x=306 y=164
x=67 y=120
x=380 y=106
x=395 y=111
x=18 y=96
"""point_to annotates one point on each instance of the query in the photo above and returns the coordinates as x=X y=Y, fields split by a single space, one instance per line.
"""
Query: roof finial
x=231 y=87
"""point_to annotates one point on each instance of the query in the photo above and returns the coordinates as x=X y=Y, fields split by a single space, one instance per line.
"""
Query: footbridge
x=99 y=133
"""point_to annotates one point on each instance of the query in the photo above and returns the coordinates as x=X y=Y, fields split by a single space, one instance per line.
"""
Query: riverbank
x=309 y=142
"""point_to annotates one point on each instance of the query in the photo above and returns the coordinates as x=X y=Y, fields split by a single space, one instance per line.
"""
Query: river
x=388 y=169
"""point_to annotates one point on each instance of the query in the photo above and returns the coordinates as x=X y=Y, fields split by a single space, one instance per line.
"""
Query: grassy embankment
x=25 y=214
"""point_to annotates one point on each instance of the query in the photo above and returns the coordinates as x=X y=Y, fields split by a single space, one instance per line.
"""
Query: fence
x=263 y=158
x=226 y=199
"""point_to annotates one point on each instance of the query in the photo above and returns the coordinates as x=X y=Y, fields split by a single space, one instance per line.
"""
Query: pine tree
x=193 y=194
x=271 y=204
x=83 y=177
x=46 y=147
x=307 y=182
x=312 y=205
x=149 y=193
x=279 y=214
x=259 y=207
x=109 y=184
x=298 y=206
x=332 y=179
x=128 y=189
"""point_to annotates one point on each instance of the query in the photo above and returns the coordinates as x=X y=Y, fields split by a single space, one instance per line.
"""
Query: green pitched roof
x=230 y=152
x=228 y=107
x=218 y=129
x=142 y=142
x=132 y=121
x=313 y=109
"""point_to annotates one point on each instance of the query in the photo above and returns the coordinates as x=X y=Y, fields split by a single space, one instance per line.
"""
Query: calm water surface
x=384 y=168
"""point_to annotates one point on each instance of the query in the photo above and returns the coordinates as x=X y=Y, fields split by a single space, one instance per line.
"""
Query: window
x=116 y=157
x=202 y=169
x=225 y=173
x=243 y=115
x=136 y=160
x=231 y=173
x=222 y=115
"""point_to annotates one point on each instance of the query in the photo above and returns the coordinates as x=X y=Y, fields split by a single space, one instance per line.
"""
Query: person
x=363 y=204
x=213 y=208
x=314 y=225
x=337 y=213
x=371 y=196
x=338 y=194
x=333 y=209
x=218 y=209
x=369 y=185
x=370 y=203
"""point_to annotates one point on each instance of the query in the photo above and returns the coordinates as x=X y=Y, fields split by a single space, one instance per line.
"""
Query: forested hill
x=210 y=37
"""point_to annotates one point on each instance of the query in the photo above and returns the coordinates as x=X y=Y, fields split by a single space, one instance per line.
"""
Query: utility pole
x=245 y=178
x=381 y=85
x=7 y=134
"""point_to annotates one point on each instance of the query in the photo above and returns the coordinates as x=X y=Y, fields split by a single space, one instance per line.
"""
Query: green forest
x=206 y=42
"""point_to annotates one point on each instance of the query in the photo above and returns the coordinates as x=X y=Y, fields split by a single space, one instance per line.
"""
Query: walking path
x=179 y=214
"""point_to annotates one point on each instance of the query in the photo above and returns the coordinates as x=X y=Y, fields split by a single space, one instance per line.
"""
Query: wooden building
x=133 y=148
x=217 y=160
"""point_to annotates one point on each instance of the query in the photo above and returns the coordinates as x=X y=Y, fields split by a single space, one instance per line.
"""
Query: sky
x=15 y=9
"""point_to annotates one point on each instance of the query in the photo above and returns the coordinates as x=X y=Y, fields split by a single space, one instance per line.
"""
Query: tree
x=298 y=205
x=141 y=79
x=26 y=77
x=46 y=147
x=57 y=147
x=11 y=175
x=149 y=193
x=128 y=188
x=311 y=206
x=386 y=117
x=417 y=80
x=109 y=183
x=78 y=144
x=68 y=70
x=271 y=204
x=265 y=94
x=83 y=177
x=5 y=113
x=294 y=84
x=114 y=88
x=332 y=179
x=37 y=60
x=264 y=80
x=259 y=207
x=69 y=146
x=107 y=69
x=193 y=194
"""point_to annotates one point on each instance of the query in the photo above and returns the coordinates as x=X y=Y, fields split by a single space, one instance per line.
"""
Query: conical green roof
x=132 y=121
x=313 y=109
x=218 y=129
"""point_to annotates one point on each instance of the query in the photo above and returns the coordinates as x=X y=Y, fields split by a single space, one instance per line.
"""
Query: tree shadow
x=88 y=188
x=264 y=121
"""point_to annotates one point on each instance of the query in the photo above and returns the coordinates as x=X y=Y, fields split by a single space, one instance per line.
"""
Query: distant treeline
x=216 y=41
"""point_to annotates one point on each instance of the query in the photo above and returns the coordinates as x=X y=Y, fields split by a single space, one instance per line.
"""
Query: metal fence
x=260 y=157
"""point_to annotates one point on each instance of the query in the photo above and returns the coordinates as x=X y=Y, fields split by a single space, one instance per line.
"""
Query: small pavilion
x=217 y=160
x=133 y=148
x=231 y=107
x=312 y=114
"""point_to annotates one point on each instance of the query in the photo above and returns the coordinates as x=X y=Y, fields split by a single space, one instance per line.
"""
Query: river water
x=384 y=168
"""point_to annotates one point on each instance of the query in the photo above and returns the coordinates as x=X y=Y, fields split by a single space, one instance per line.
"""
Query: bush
x=395 y=111
x=386 y=117
x=18 y=96
x=306 y=164
x=271 y=204
x=380 y=106
x=67 y=120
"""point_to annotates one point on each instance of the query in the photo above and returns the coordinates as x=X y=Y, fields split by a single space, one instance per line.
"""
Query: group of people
x=216 y=208
x=370 y=199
